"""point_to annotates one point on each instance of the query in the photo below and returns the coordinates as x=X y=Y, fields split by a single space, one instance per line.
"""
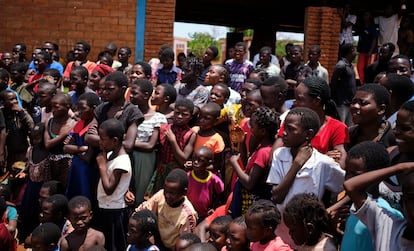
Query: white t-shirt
x=386 y=228
x=388 y=29
x=116 y=199
x=319 y=172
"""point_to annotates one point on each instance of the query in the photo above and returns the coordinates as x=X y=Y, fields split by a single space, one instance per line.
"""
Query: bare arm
x=150 y=145
x=109 y=183
x=181 y=156
x=249 y=181
x=342 y=151
x=92 y=137
x=130 y=136
x=201 y=230
x=49 y=142
x=64 y=246
x=356 y=187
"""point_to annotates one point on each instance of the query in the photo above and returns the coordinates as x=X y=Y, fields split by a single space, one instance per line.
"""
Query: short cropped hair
x=380 y=94
x=118 y=78
x=169 y=91
x=374 y=155
x=178 y=176
x=59 y=203
x=185 y=103
x=79 y=201
x=48 y=233
x=113 y=129
x=91 y=99
x=309 y=119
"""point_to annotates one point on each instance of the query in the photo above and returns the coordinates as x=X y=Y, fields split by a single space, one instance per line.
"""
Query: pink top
x=273 y=245
x=201 y=191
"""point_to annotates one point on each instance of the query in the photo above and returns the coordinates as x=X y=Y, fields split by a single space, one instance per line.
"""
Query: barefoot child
x=142 y=227
x=83 y=236
x=115 y=171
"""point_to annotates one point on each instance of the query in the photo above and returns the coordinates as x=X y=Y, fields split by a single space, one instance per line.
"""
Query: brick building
x=141 y=24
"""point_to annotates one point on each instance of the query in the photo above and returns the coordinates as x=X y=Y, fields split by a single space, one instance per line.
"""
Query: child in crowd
x=251 y=184
x=45 y=237
x=79 y=78
x=53 y=76
x=57 y=129
x=164 y=95
x=44 y=95
x=177 y=142
x=115 y=174
x=364 y=157
x=202 y=246
x=236 y=237
x=83 y=176
x=55 y=209
x=307 y=220
x=262 y=218
x=142 y=228
x=18 y=128
x=17 y=72
x=204 y=187
x=6 y=239
x=176 y=215
x=168 y=73
x=218 y=230
x=11 y=216
x=146 y=142
x=208 y=136
x=185 y=241
x=298 y=167
x=389 y=231
x=83 y=236
x=99 y=72
x=140 y=70
x=189 y=87
x=239 y=67
x=116 y=107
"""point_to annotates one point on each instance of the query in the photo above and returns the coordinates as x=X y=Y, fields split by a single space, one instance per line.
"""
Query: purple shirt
x=239 y=72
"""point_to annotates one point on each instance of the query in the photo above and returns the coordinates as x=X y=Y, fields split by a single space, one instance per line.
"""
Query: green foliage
x=200 y=41
x=280 y=47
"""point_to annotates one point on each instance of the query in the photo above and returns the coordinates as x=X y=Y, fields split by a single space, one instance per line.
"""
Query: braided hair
x=268 y=119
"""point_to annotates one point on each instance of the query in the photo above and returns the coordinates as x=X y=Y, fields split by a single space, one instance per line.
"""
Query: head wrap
x=104 y=69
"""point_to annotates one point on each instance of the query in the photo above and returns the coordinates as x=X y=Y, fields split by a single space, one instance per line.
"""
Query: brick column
x=159 y=26
x=322 y=26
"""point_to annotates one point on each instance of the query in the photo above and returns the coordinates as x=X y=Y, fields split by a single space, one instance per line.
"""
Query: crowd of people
x=271 y=155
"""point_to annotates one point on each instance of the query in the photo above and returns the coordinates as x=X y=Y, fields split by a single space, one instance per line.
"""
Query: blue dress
x=83 y=176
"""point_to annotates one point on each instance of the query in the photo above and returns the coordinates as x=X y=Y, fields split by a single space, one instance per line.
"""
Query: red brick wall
x=322 y=26
x=97 y=22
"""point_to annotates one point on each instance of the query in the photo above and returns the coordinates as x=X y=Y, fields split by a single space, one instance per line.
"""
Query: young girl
x=38 y=170
x=177 y=142
x=164 y=95
x=236 y=237
x=44 y=95
x=251 y=183
x=115 y=172
x=307 y=220
x=144 y=153
x=116 y=107
x=142 y=227
x=203 y=185
x=57 y=129
x=82 y=175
